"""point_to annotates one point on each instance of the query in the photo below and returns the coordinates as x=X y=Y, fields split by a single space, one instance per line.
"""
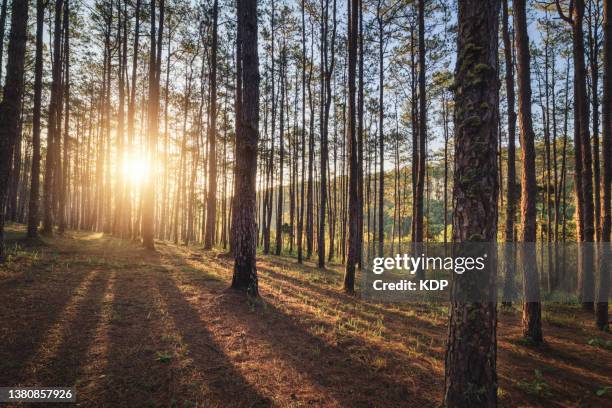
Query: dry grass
x=134 y=328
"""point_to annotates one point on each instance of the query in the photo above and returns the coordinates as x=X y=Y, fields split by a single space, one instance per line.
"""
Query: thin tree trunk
x=2 y=31
x=300 y=227
x=281 y=156
x=52 y=122
x=418 y=234
x=65 y=180
x=33 y=215
x=211 y=211
x=381 y=118
x=148 y=208
x=532 y=325
x=353 y=197
x=509 y=265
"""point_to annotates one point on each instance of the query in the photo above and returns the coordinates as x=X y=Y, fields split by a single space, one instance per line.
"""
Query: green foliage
x=597 y=342
x=537 y=386
x=163 y=357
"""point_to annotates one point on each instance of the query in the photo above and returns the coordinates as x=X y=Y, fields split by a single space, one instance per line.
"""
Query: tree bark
x=281 y=157
x=10 y=107
x=532 y=325
x=65 y=176
x=470 y=376
x=420 y=187
x=2 y=31
x=606 y=182
x=509 y=266
x=148 y=207
x=381 y=119
x=33 y=216
x=353 y=197
x=52 y=122
x=247 y=135
x=211 y=203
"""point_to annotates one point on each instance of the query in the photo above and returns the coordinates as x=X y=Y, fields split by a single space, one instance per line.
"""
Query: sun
x=135 y=170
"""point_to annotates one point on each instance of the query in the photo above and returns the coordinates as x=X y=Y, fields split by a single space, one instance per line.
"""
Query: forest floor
x=133 y=328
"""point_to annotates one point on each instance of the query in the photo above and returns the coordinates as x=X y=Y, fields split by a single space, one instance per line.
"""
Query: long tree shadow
x=388 y=314
x=133 y=376
x=351 y=381
x=556 y=355
x=28 y=314
x=64 y=366
x=543 y=382
x=226 y=385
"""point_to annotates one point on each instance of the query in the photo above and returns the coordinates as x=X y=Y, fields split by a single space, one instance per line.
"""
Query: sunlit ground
x=134 y=328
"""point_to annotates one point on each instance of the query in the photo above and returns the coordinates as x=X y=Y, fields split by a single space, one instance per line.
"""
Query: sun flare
x=135 y=170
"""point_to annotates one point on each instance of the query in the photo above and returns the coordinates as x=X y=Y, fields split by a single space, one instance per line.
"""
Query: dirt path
x=132 y=328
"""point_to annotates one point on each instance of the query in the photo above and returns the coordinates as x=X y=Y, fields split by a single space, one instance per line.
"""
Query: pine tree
x=470 y=376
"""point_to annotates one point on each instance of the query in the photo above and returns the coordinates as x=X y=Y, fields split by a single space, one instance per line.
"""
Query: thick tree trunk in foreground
x=10 y=107
x=33 y=217
x=532 y=325
x=247 y=135
x=470 y=377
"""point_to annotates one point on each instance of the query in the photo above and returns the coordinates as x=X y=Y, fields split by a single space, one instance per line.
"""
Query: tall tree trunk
x=281 y=158
x=593 y=42
x=532 y=325
x=33 y=215
x=446 y=140
x=65 y=180
x=2 y=31
x=509 y=265
x=148 y=208
x=52 y=122
x=119 y=219
x=360 y=136
x=582 y=154
x=381 y=119
x=420 y=188
x=470 y=376
x=211 y=211
x=247 y=135
x=132 y=103
x=327 y=63
x=606 y=213
x=300 y=227
x=10 y=107
x=353 y=197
